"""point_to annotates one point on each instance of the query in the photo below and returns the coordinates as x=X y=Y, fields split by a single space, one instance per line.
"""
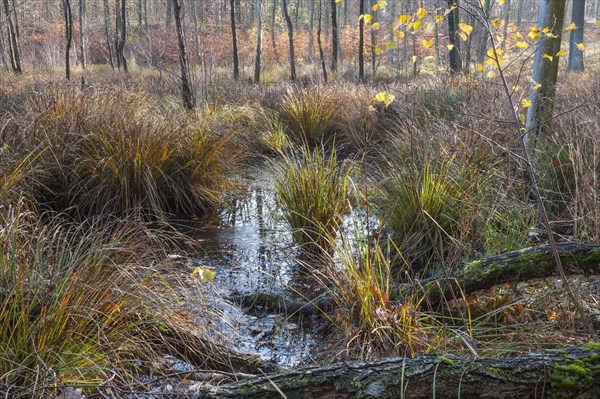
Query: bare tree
x=68 y=17
x=361 y=41
x=334 y=36
x=290 y=30
x=121 y=28
x=187 y=95
x=321 y=57
x=258 y=41
x=454 y=52
x=545 y=71
x=12 y=29
x=236 y=63
x=576 y=37
x=108 y=35
x=82 y=36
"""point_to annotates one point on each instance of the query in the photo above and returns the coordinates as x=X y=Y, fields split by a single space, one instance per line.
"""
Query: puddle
x=250 y=251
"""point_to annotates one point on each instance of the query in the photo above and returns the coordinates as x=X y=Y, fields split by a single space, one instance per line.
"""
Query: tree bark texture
x=335 y=40
x=321 y=56
x=258 y=41
x=12 y=29
x=454 y=53
x=82 y=35
x=576 y=36
x=236 y=62
x=361 y=41
x=187 y=94
x=290 y=29
x=567 y=373
x=68 y=17
x=545 y=72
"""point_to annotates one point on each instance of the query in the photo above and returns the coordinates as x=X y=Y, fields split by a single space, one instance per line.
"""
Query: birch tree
x=576 y=46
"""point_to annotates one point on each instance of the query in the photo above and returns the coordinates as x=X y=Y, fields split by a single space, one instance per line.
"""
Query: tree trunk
x=12 y=38
x=321 y=56
x=169 y=15
x=108 y=35
x=82 y=36
x=273 y=40
x=506 y=17
x=290 y=30
x=572 y=372
x=576 y=37
x=187 y=95
x=520 y=7
x=236 y=66
x=454 y=53
x=311 y=28
x=545 y=72
x=483 y=33
x=195 y=24
x=68 y=17
x=334 y=37
x=258 y=41
x=361 y=41
x=121 y=28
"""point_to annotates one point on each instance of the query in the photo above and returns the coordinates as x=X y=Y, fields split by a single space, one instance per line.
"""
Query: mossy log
x=567 y=373
x=510 y=267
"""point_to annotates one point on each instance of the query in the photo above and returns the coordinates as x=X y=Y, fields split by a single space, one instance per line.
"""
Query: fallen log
x=565 y=373
x=510 y=267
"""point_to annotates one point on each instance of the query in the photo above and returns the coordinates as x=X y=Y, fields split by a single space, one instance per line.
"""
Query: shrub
x=309 y=116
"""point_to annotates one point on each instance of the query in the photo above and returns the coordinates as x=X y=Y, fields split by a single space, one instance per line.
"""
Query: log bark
x=570 y=373
x=521 y=265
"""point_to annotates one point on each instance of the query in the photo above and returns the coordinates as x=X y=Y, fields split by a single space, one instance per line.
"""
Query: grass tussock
x=312 y=190
x=113 y=154
x=74 y=304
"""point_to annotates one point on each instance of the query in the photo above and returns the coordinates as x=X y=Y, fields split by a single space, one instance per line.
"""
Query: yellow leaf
x=581 y=47
x=501 y=1
x=421 y=13
x=417 y=25
x=495 y=22
x=375 y=26
x=522 y=118
x=479 y=68
x=517 y=36
x=450 y=9
x=521 y=44
x=375 y=7
x=371 y=108
x=571 y=27
x=561 y=53
x=534 y=34
x=377 y=49
x=439 y=19
x=390 y=44
x=525 y=103
x=450 y=47
x=551 y=35
x=338 y=1
x=552 y=316
x=597 y=23
x=536 y=86
x=203 y=274
x=414 y=59
x=546 y=30
x=427 y=43
x=367 y=18
x=384 y=97
x=516 y=88
x=399 y=34
x=403 y=19
x=548 y=57
x=465 y=28
x=463 y=36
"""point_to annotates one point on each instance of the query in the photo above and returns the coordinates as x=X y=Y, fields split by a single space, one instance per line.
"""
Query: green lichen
x=575 y=375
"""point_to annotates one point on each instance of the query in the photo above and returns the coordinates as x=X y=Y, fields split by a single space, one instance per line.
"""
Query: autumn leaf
x=439 y=19
x=417 y=24
x=561 y=53
x=581 y=47
x=450 y=9
x=375 y=26
x=537 y=86
x=427 y=43
x=421 y=13
x=203 y=274
x=479 y=68
x=525 y=103
x=521 y=45
x=463 y=36
x=384 y=97
x=399 y=34
x=548 y=57
x=366 y=17
x=377 y=49
x=465 y=28
x=495 y=22
x=571 y=27
x=517 y=36
x=390 y=44
x=403 y=19
x=450 y=47
x=534 y=33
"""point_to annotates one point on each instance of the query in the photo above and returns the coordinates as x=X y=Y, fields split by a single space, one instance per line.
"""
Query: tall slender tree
x=258 y=41
x=108 y=34
x=12 y=30
x=290 y=30
x=68 y=18
x=187 y=94
x=121 y=28
x=545 y=72
x=82 y=33
x=361 y=41
x=321 y=56
x=335 y=39
x=576 y=36
x=453 y=44
x=236 y=62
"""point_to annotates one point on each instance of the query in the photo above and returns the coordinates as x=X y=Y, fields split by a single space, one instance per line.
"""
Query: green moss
x=447 y=361
x=576 y=375
x=592 y=346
